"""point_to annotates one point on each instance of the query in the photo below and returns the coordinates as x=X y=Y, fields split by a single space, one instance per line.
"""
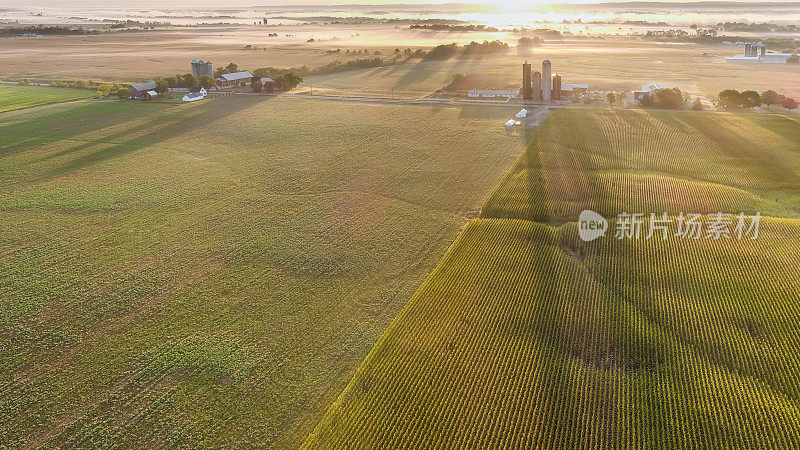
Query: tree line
x=44 y=30
x=445 y=51
x=449 y=27
x=438 y=52
x=731 y=98
x=668 y=98
x=289 y=78
x=530 y=42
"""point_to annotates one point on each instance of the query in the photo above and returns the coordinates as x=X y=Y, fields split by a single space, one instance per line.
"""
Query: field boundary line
x=74 y=100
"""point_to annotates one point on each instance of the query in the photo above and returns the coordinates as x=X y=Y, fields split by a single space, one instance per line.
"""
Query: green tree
x=443 y=51
x=668 y=98
x=230 y=68
x=750 y=99
x=288 y=81
x=730 y=98
x=186 y=80
x=789 y=103
x=457 y=83
x=620 y=98
x=206 y=81
x=610 y=97
x=123 y=93
x=793 y=59
x=527 y=44
x=263 y=72
x=107 y=89
x=697 y=106
x=161 y=86
x=172 y=82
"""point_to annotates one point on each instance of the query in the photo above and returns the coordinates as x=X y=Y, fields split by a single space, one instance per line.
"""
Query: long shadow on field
x=769 y=170
x=592 y=312
x=500 y=114
x=522 y=192
x=110 y=138
x=60 y=122
x=200 y=116
x=786 y=127
x=592 y=340
x=419 y=72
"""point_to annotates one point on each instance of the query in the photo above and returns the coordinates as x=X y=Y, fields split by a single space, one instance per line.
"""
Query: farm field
x=16 y=97
x=213 y=273
x=696 y=69
x=653 y=161
x=132 y=57
x=525 y=335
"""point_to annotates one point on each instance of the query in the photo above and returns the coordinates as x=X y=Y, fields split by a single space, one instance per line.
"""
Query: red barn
x=229 y=80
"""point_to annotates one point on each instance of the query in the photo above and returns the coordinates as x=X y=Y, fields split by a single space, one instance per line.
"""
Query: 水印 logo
x=591 y=225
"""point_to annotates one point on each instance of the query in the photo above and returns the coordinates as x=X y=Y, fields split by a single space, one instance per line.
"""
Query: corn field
x=652 y=162
x=526 y=336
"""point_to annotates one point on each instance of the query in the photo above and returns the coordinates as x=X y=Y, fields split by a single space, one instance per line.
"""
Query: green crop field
x=16 y=97
x=212 y=274
x=653 y=162
x=525 y=335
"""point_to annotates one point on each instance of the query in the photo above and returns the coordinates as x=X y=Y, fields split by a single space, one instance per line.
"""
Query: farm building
x=568 y=90
x=141 y=90
x=229 y=80
x=756 y=52
x=195 y=94
x=646 y=90
x=765 y=58
x=492 y=93
x=268 y=85
x=192 y=97
x=150 y=95
x=200 y=68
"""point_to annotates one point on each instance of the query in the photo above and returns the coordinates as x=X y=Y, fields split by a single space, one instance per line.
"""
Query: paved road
x=405 y=101
x=423 y=101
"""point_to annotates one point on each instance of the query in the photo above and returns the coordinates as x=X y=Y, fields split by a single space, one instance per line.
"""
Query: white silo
x=547 y=80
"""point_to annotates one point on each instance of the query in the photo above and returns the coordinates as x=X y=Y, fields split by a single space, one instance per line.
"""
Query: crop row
x=649 y=162
x=524 y=336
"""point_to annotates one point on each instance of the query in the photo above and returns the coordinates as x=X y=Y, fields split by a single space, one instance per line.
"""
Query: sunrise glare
x=382 y=225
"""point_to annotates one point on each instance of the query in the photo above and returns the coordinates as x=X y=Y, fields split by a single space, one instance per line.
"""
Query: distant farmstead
x=647 y=89
x=141 y=90
x=229 y=80
x=267 y=85
x=195 y=94
x=756 y=52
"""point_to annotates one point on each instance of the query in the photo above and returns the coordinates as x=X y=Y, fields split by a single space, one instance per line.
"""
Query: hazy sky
x=211 y=4
x=248 y=3
x=240 y=4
